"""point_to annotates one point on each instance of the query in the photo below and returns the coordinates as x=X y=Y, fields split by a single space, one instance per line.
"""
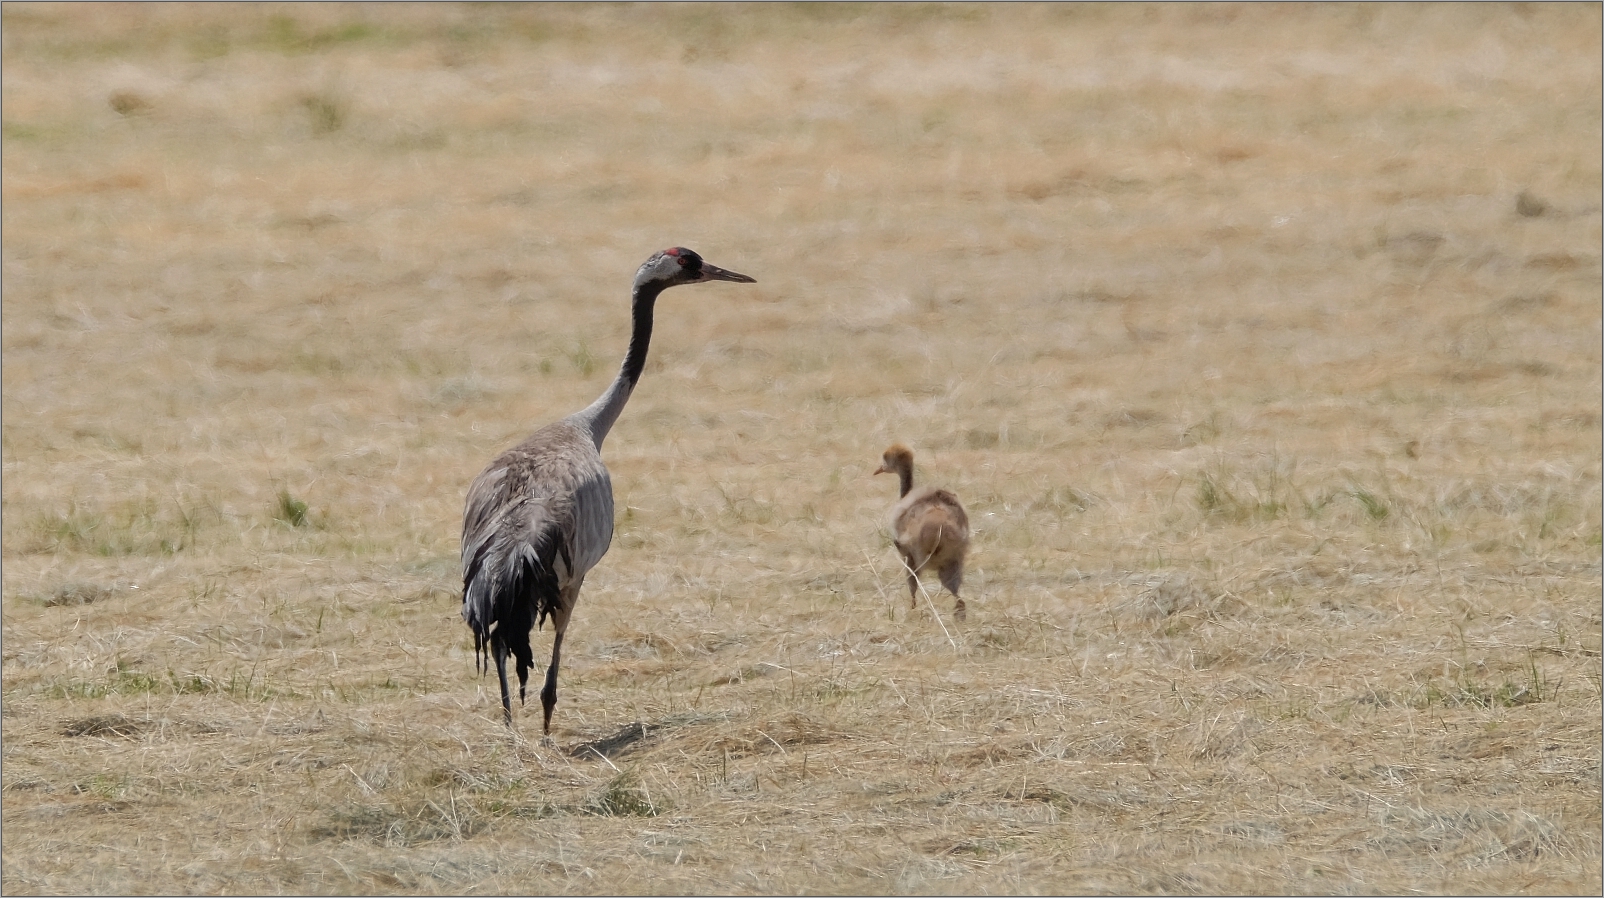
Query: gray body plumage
x=540 y=515
x=538 y=518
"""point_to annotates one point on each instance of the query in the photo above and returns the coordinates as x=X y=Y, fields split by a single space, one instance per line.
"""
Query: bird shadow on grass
x=612 y=746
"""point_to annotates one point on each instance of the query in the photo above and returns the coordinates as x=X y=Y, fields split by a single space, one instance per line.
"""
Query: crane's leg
x=548 y=693
x=499 y=649
x=913 y=577
x=559 y=624
x=952 y=577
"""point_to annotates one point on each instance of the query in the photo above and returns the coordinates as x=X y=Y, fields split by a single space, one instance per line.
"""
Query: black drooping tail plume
x=505 y=596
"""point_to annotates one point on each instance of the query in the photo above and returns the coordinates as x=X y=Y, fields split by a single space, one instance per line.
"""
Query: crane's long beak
x=715 y=273
x=883 y=470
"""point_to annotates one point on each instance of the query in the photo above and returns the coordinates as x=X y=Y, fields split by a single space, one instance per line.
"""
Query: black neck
x=906 y=473
x=598 y=417
x=640 y=336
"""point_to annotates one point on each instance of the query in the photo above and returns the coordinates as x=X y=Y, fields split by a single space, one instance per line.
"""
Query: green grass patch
x=239 y=685
x=403 y=825
x=291 y=510
x=1268 y=496
x=138 y=527
x=1532 y=687
x=625 y=796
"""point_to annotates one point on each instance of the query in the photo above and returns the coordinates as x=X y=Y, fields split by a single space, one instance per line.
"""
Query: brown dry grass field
x=1262 y=343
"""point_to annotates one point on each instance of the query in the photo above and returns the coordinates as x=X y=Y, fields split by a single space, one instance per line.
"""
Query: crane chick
x=929 y=528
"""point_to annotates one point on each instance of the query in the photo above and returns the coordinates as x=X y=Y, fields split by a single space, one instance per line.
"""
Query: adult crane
x=540 y=515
